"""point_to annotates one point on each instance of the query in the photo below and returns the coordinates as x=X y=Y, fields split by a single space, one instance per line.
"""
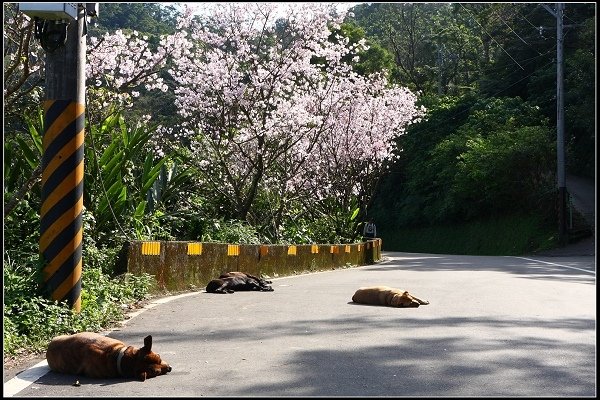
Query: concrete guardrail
x=179 y=266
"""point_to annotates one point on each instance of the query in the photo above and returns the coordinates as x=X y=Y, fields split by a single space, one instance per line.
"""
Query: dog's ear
x=148 y=343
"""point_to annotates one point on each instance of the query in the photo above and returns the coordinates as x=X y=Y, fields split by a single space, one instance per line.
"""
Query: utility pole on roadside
x=61 y=30
x=560 y=123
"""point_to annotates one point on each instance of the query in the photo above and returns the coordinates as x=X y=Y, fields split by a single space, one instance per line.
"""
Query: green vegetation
x=30 y=318
x=502 y=235
x=30 y=322
x=498 y=160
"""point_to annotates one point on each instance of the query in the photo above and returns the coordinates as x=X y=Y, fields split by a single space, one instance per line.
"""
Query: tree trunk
x=17 y=197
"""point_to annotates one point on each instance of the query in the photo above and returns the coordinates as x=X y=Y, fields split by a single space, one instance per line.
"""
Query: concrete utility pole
x=61 y=231
x=61 y=30
x=560 y=124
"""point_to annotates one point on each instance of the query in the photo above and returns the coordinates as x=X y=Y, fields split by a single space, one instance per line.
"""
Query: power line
x=525 y=61
x=493 y=95
x=538 y=28
x=513 y=31
x=525 y=18
x=491 y=37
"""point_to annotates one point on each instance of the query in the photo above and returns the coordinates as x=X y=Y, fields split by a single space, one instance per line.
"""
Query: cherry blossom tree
x=273 y=112
x=274 y=120
x=349 y=161
x=23 y=62
x=119 y=63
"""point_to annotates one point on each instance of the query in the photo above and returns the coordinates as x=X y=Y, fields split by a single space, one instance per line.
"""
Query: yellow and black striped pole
x=61 y=230
x=62 y=204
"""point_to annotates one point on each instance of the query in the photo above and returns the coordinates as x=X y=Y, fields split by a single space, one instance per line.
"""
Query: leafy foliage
x=120 y=177
x=231 y=231
x=31 y=321
x=499 y=157
x=152 y=18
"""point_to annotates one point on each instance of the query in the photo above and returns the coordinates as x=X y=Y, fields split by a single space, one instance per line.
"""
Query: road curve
x=496 y=326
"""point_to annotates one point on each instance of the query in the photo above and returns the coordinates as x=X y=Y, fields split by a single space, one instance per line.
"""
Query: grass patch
x=500 y=236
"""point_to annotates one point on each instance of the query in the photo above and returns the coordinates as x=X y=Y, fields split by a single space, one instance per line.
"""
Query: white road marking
x=558 y=265
x=25 y=378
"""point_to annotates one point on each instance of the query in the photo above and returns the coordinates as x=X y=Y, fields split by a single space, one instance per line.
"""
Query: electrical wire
x=99 y=171
x=493 y=95
x=51 y=34
x=491 y=37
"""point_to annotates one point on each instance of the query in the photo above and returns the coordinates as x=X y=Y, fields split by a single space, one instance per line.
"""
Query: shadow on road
x=533 y=269
x=406 y=364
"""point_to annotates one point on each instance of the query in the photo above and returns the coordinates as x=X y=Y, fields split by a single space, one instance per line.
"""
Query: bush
x=499 y=159
x=231 y=231
x=31 y=321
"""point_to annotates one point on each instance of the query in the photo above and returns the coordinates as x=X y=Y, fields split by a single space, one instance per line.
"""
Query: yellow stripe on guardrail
x=314 y=249
x=264 y=250
x=334 y=249
x=291 y=251
x=347 y=248
x=233 y=249
x=194 y=249
x=151 y=248
x=360 y=247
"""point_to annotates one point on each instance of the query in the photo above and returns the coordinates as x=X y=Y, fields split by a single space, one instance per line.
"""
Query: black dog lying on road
x=231 y=282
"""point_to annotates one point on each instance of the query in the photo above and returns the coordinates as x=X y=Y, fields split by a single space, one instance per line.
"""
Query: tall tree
x=434 y=48
x=269 y=103
x=150 y=18
x=23 y=60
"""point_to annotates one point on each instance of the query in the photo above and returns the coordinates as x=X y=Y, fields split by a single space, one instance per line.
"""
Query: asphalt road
x=496 y=326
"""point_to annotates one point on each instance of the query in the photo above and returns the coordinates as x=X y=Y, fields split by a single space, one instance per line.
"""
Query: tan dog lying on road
x=98 y=356
x=386 y=296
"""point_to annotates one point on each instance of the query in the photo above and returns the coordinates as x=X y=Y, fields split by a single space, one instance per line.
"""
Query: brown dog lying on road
x=230 y=282
x=98 y=356
x=244 y=275
x=386 y=296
